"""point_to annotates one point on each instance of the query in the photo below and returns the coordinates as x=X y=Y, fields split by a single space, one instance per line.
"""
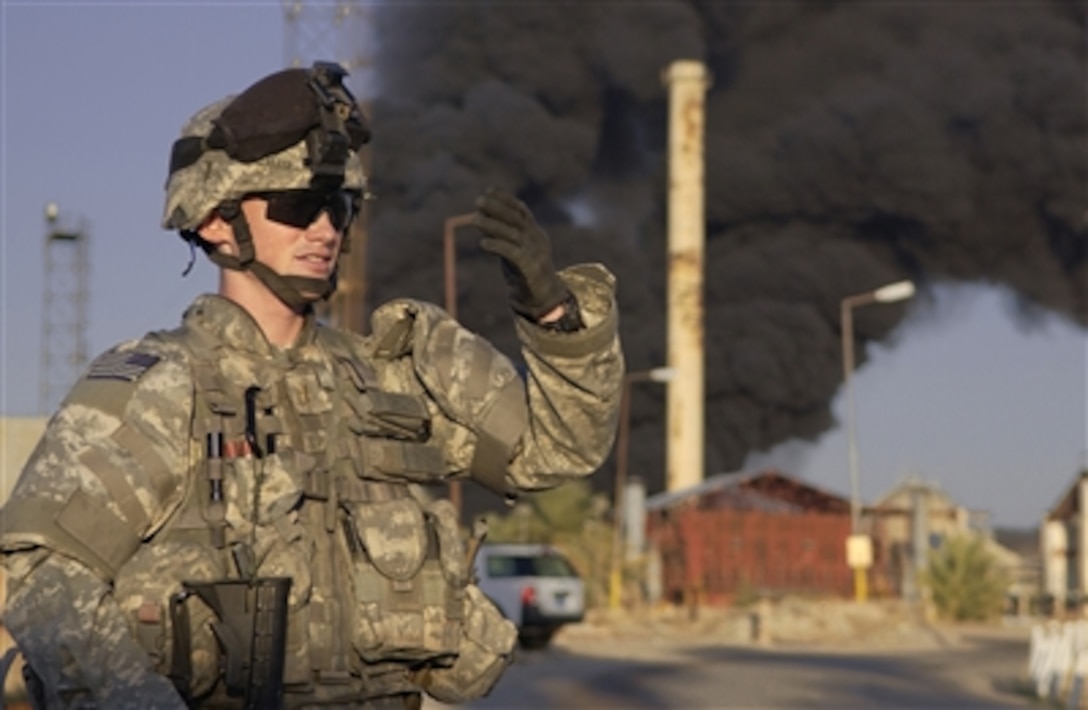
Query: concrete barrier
x=1058 y=662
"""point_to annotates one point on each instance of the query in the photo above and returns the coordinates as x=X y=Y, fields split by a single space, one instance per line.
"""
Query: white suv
x=534 y=585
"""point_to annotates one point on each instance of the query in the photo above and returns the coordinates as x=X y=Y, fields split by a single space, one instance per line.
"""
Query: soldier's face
x=309 y=251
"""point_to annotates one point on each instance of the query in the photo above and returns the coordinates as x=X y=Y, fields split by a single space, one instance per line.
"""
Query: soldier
x=241 y=512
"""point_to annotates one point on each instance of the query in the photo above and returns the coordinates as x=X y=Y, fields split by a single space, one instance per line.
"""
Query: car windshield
x=549 y=565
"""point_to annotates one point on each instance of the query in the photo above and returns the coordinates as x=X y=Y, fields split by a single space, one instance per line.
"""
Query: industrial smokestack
x=687 y=82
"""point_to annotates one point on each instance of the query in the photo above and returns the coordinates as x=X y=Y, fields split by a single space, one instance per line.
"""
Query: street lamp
x=449 y=258
x=658 y=374
x=449 y=270
x=859 y=547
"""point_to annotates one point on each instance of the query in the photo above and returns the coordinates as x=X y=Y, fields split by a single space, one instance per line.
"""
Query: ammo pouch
x=409 y=580
x=251 y=629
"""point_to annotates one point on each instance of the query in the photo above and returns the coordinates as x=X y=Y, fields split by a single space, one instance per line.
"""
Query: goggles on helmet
x=299 y=208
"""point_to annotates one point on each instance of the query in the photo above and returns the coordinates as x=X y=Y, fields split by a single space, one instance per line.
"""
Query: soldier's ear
x=216 y=230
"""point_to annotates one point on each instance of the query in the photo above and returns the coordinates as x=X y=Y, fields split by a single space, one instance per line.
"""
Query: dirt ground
x=668 y=634
x=827 y=624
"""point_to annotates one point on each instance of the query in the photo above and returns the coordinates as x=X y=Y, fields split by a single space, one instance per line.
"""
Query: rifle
x=251 y=628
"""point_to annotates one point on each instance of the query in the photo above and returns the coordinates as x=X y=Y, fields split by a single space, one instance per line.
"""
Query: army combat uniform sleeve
x=107 y=472
x=573 y=387
x=511 y=433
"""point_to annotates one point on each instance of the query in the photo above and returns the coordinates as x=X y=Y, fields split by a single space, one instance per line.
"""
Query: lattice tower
x=65 y=306
x=342 y=32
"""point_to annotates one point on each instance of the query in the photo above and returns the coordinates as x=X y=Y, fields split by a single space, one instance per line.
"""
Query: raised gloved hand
x=511 y=233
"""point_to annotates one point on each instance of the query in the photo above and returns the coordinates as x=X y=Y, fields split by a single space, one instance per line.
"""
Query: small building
x=1064 y=543
x=749 y=533
x=907 y=522
x=913 y=519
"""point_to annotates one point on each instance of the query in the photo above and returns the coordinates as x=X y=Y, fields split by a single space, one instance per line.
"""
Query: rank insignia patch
x=127 y=366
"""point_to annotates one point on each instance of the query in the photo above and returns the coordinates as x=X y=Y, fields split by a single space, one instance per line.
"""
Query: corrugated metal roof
x=740 y=498
x=667 y=499
x=752 y=490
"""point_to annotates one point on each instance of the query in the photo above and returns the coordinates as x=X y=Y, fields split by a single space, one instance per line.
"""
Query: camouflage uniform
x=206 y=458
x=121 y=472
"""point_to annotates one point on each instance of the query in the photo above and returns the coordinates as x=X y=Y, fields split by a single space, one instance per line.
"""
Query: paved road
x=975 y=673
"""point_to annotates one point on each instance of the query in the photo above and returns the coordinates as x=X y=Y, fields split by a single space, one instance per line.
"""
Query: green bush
x=965 y=580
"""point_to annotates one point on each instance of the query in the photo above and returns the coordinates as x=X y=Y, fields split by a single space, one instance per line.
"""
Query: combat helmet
x=296 y=129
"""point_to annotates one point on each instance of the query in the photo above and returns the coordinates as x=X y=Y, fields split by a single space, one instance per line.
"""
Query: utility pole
x=64 y=307
x=342 y=32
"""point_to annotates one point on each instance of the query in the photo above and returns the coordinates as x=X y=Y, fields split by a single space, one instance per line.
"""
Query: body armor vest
x=309 y=475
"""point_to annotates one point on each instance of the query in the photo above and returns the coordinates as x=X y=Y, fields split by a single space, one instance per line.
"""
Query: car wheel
x=535 y=639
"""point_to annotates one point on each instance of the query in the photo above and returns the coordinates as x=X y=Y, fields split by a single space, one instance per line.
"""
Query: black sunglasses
x=299 y=208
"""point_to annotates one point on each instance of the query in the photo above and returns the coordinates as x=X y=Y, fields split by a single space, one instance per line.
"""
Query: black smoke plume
x=848 y=145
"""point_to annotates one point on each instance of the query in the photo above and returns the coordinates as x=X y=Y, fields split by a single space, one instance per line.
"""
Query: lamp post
x=449 y=270
x=449 y=258
x=658 y=374
x=858 y=546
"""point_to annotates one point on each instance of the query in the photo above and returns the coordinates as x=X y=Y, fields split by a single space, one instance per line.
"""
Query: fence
x=1058 y=662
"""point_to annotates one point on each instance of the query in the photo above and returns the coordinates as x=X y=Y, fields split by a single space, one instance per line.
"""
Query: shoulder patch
x=127 y=366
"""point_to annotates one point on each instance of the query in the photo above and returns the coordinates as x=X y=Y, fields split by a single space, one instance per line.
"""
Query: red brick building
x=740 y=533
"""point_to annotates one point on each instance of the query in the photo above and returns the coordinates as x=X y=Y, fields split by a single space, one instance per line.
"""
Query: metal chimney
x=687 y=82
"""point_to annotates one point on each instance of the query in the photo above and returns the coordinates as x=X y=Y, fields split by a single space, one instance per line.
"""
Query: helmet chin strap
x=299 y=293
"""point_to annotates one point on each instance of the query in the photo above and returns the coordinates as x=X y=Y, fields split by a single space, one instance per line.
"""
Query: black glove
x=511 y=233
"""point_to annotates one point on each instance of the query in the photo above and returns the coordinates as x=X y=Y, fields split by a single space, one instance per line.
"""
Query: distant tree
x=965 y=580
x=570 y=517
x=545 y=517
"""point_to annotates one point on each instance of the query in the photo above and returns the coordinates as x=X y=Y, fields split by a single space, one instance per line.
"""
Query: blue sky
x=93 y=94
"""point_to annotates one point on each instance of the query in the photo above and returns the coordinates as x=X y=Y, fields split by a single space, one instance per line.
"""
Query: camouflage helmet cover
x=193 y=191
